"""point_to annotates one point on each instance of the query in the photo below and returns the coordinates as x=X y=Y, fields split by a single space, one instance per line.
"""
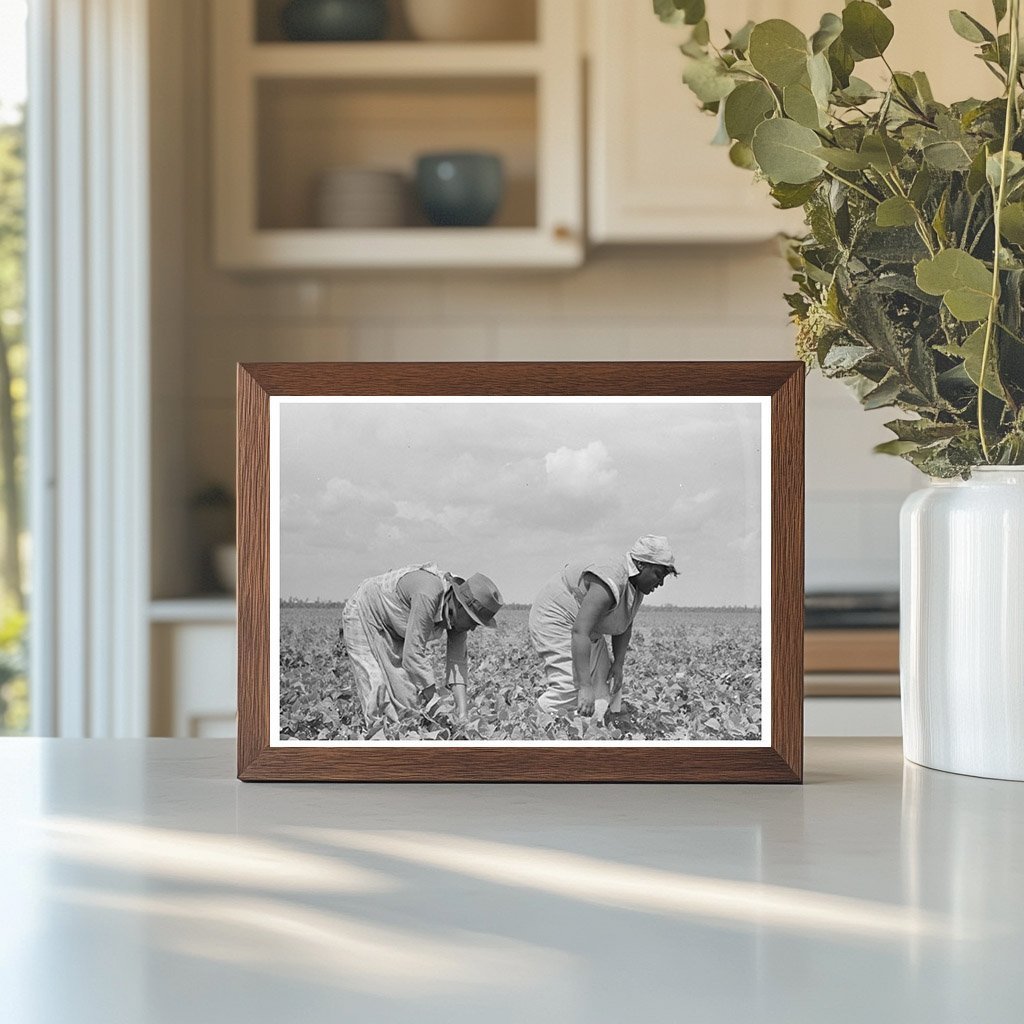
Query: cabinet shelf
x=392 y=60
x=286 y=114
x=404 y=248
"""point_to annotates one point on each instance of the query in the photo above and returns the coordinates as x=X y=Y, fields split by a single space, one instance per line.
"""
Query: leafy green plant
x=909 y=280
x=691 y=674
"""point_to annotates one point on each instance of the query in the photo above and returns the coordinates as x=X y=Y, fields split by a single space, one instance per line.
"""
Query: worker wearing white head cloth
x=577 y=608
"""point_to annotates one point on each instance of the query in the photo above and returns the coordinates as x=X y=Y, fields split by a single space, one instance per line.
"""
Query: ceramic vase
x=334 y=20
x=962 y=624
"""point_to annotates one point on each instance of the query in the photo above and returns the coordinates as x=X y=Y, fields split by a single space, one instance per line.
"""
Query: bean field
x=690 y=675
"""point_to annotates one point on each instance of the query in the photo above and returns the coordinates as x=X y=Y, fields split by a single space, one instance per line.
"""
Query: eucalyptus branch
x=853 y=185
x=1000 y=198
x=923 y=227
x=771 y=89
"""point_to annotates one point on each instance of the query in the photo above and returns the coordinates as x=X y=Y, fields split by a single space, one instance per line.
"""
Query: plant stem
x=993 y=309
x=981 y=231
x=922 y=225
x=768 y=85
x=855 y=187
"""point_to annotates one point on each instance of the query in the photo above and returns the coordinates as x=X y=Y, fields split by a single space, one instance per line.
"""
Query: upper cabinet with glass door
x=369 y=133
x=653 y=174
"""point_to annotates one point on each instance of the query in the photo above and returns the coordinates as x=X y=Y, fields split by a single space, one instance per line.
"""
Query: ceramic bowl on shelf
x=361 y=198
x=469 y=20
x=460 y=189
x=334 y=20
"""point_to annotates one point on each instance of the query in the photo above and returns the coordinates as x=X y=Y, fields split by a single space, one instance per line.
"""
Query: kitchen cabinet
x=287 y=113
x=653 y=175
x=193 y=673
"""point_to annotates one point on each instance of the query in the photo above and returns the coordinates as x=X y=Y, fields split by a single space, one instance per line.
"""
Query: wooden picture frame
x=777 y=756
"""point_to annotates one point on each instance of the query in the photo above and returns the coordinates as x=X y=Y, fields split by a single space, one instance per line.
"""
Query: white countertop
x=144 y=885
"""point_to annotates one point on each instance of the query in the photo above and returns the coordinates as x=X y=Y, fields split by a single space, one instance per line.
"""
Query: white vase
x=962 y=624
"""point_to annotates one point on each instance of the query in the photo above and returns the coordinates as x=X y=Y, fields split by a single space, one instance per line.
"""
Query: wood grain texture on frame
x=782 y=761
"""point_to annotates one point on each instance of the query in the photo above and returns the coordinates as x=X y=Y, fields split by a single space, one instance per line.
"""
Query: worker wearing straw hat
x=577 y=608
x=388 y=623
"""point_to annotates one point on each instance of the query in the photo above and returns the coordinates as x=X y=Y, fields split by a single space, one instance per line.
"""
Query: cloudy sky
x=517 y=490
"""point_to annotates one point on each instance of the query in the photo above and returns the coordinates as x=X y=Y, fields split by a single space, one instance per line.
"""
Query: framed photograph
x=562 y=572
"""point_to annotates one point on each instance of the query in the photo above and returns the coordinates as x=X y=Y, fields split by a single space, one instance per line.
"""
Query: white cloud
x=696 y=511
x=344 y=496
x=750 y=541
x=581 y=472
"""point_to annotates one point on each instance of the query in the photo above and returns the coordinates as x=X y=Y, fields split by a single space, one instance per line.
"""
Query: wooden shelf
x=285 y=112
x=393 y=60
x=401 y=247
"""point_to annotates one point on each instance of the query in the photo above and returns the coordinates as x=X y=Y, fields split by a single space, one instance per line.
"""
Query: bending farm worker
x=390 y=620
x=577 y=608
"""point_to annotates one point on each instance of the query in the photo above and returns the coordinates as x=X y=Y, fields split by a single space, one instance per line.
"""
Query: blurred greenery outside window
x=14 y=550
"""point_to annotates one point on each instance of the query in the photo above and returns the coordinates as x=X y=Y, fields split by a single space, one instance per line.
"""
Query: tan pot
x=470 y=20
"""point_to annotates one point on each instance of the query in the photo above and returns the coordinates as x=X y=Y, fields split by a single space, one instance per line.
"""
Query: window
x=14 y=549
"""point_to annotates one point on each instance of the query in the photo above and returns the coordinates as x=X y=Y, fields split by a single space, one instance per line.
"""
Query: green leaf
x=841 y=60
x=707 y=80
x=946 y=156
x=968 y=28
x=971 y=352
x=896 y=212
x=921 y=185
x=858 y=91
x=883 y=153
x=895 y=447
x=906 y=89
x=1014 y=169
x=976 y=174
x=676 y=12
x=820 y=76
x=785 y=152
x=830 y=28
x=778 y=50
x=800 y=105
x=963 y=281
x=694 y=11
x=923 y=431
x=745 y=108
x=742 y=155
x=1011 y=225
x=866 y=29
x=739 y=41
x=939 y=220
x=844 y=159
x=885 y=394
x=924 y=88
x=789 y=197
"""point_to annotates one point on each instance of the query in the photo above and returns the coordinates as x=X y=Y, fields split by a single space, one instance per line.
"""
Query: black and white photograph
x=519 y=570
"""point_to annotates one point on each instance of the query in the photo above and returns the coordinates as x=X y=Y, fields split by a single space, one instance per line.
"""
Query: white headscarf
x=652 y=549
